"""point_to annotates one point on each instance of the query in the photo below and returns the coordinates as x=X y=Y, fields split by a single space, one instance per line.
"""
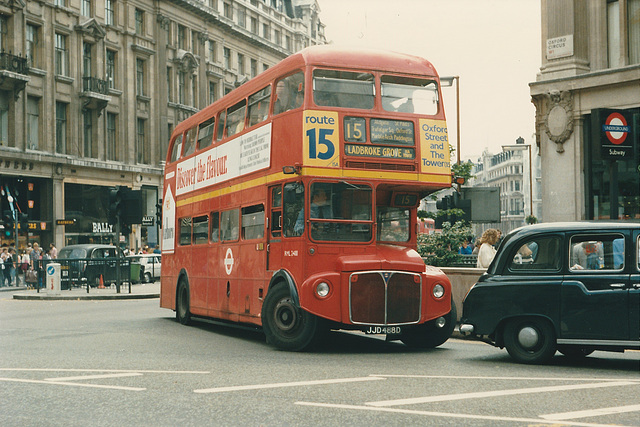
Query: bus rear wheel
x=433 y=333
x=183 y=315
x=285 y=325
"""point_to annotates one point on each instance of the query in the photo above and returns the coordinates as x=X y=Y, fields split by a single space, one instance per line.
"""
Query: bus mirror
x=290 y=170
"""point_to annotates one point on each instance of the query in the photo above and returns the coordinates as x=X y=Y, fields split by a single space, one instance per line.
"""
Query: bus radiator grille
x=384 y=298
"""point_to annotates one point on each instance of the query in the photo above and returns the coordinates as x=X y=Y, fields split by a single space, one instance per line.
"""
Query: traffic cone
x=101 y=285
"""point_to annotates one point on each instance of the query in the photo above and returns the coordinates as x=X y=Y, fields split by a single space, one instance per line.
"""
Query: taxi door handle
x=616 y=285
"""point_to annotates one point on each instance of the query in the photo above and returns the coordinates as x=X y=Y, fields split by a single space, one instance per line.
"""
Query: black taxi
x=570 y=287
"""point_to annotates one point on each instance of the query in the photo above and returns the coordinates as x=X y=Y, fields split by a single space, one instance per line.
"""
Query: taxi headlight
x=438 y=291
x=322 y=289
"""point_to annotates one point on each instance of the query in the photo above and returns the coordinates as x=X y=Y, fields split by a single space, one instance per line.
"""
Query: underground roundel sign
x=616 y=128
x=228 y=261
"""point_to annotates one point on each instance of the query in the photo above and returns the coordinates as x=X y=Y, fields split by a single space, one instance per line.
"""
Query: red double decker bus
x=291 y=203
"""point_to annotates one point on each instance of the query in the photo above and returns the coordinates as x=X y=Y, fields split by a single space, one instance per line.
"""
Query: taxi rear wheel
x=530 y=340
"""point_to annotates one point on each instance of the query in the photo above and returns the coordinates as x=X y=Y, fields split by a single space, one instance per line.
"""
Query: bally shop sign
x=616 y=132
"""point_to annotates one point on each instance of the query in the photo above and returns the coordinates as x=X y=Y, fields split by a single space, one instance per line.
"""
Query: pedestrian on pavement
x=53 y=251
x=487 y=251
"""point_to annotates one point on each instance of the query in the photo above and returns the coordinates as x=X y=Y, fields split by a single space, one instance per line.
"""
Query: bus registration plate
x=383 y=330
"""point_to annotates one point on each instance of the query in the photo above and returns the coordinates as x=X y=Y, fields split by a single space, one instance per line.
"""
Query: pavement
x=138 y=291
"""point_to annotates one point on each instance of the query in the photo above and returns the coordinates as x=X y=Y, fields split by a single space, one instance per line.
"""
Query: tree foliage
x=441 y=249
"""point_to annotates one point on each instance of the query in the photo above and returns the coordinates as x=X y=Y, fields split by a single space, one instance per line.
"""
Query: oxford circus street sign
x=615 y=134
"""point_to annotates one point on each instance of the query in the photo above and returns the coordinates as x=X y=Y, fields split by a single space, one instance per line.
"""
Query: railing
x=16 y=64
x=466 y=261
x=93 y=84
x=86 y=273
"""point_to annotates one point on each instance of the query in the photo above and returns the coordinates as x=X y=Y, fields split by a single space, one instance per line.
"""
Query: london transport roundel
x=616 y=128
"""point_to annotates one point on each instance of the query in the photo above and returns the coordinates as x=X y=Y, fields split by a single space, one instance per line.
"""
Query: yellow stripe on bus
x=320 y=172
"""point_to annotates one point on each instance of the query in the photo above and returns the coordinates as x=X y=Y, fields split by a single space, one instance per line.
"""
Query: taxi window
x=540 y=253
x=597 y=252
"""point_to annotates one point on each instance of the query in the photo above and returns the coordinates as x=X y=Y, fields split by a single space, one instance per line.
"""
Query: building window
x=254 y=68
x=194 y=91
x=86 y=60
x=86 y=8
x=3 y=32
x=254 y=25
x=633 y=11
x=87 y=133
x=228 y=11
x=109 y=7
x=240 y=63
x=213 y=90
x=141 y=142
x=287 y=42
x=61 y=127
x=4 y=118
x=111 y=69
x=169 y=84
x=227 y=58
x=212 y=51
x=32 y=46
x=139 y=22
x=111 y=137
x=61 y=3
x=62 y=55
x=182 y=37
x=182 y=77
x=33 y=122
x=613 y=33
x=277 y=37
x=242 y=17
x=194 y=42
x=266 y=33
x=140 y=77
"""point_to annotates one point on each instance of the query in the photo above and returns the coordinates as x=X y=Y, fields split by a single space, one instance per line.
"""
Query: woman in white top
x=487 y=251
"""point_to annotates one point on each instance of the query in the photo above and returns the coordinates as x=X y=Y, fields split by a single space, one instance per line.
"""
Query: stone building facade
x=587 y=99
x=90 y=91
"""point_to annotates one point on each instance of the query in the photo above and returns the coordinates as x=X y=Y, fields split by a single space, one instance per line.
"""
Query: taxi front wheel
x=530 y=340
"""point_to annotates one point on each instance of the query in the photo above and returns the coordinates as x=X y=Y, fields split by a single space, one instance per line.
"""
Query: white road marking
x=449 y=415
x=102 y=370
x=591 y=413
x=482 y=394
x=95 y=377
x=291 y=384
x=19 y=380
x=462 y=377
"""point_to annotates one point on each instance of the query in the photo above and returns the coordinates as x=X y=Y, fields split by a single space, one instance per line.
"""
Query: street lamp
x=448 y=82
x=520 y=146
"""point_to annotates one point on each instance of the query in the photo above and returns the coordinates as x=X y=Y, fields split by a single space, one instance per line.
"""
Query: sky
x=493 y=45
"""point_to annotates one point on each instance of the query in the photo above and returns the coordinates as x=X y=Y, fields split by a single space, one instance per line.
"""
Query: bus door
x=251 y=259
x=293 y=228
x=274 y=233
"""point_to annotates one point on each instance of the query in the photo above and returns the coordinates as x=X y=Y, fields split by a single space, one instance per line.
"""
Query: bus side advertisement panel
x=321 y=136
x=434 y=147
x=168 y=221
x=247 y=153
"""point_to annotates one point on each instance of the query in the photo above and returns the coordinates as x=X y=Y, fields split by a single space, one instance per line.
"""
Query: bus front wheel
x=183 y=315
x=285 y=325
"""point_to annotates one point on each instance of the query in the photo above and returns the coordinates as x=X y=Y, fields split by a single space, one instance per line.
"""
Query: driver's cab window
x=536 y=254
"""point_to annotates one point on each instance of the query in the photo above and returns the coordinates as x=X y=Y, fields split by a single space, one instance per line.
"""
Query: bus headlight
x=438 y=291
x=322 y=289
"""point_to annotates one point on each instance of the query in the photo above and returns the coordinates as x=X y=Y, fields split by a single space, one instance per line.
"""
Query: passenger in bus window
x=283 y=98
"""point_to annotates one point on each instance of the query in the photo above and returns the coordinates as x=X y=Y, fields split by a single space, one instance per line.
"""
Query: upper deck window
x=176 y=149
x=205 y=133
x=190 y=142
x=289 y=93
x=235 y=118
x=409 y=95
x=332 y=88
x=259 y=106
